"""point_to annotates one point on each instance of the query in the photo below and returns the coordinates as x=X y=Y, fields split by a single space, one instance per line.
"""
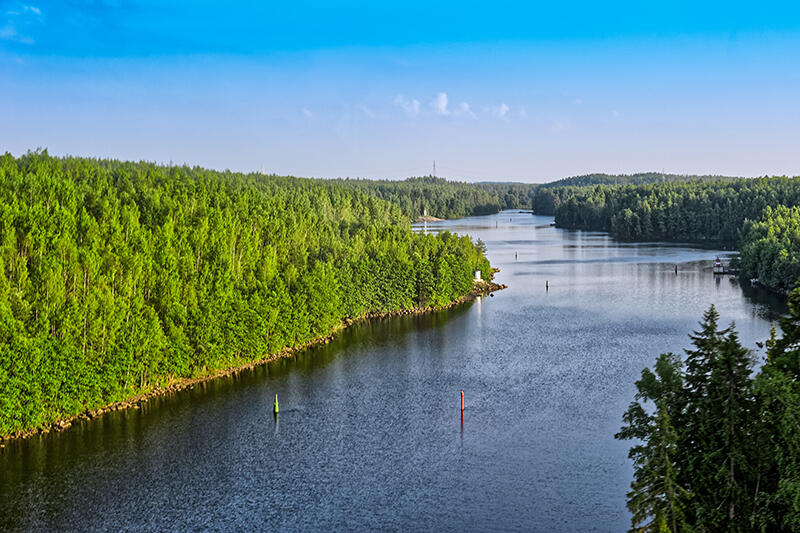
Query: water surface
x=370 y=435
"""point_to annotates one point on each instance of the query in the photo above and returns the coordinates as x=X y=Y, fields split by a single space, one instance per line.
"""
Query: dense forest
x=718 y=448
x=712 y=211
x=770 y=248
x=549 y=196
x=641 y=178
x=118 y=277
x=445 y=199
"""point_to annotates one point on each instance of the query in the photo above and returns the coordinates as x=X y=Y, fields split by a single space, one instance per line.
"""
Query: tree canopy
x=117 y=277
x=718 y=448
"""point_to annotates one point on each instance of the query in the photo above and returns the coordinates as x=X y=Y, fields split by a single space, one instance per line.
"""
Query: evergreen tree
x=699 y=466
x=656 y=499
x=778 y=393
x=725 y=497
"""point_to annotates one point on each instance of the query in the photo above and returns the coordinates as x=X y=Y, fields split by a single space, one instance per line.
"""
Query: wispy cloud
x=367 y=111
x=441 y=106
x=523 y=113
x=499 y=111
x=306 y=112
x=23 y=16
x=410 y=107
x=464 y=110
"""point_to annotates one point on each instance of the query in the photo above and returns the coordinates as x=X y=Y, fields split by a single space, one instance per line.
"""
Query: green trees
x=693 y=211
x=446 y=199
x=718 y=448
x=697 y=468
x=118 y=277
x=778 y=390
x=770 y=248
x=750 y=213
x=656 y=500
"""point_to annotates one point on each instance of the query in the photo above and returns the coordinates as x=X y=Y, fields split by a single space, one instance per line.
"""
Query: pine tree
x=727 y=441
x=778 y=395
x=656 y=499
x=692 y=421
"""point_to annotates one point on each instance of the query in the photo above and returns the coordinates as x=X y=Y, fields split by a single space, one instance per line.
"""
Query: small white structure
x=477 y=275
x=718 y=268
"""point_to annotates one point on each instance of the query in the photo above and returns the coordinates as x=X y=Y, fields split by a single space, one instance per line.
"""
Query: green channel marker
x=276 y=404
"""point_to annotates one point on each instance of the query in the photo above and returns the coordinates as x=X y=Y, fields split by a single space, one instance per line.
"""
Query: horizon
x=500 y=181
x=513 y=93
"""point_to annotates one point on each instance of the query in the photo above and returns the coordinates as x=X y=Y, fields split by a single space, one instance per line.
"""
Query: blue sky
x=490 y=90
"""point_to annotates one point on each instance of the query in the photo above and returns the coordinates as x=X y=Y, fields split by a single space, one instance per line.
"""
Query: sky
x=490 y=91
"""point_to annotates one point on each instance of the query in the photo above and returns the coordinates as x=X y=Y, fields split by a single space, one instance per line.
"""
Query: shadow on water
x=768 y=305
x=38 y=475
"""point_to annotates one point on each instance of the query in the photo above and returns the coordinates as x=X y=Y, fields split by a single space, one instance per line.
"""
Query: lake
x=370 y=434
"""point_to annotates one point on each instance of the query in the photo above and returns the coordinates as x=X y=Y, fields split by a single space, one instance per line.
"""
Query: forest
x=696 y=211
x=445 y=199
x=717 y=448
x=770 y=248
x=640 y=178
x=549 y=196
x=119 y=277
x=725 y=213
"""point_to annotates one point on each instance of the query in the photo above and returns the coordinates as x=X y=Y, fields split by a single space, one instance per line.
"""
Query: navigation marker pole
x=462 y=401
x=276 y=404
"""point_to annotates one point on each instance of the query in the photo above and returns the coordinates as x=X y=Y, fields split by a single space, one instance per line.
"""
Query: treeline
x=445 y=199
x=770 y=248
x=640 y=178
x=718 y=449
x=549 y=196
x=118 y=277
x=711 y=211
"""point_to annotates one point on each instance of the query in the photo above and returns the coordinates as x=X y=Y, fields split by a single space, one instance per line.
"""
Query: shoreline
x=479 y=289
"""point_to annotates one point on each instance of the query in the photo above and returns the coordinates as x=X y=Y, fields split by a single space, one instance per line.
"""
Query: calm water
x=370 y=435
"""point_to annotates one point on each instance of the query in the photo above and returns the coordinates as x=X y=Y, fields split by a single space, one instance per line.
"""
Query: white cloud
x=23 y=19
x=614 y=113
x=499 y=111
x=306 y=112
x=577 y=101
x=464 y=110
x=441 y=106
x=411 y=107
x=523 y=113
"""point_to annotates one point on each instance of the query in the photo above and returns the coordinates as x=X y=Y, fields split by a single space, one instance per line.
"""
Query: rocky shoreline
x=480 y=288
